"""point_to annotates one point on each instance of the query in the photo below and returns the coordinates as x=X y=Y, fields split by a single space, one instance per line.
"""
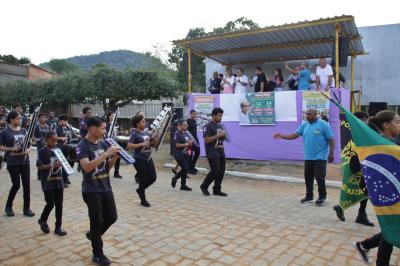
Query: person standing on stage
x=50 y=174
x=96 y=161
x=192 y=128
x=241 y=81
x=86 y=114
x=182 y=152
x=144 y=165
x=325 y=79
x=214 y=138
x=123 y=145
x=304 y=76
x=11 y=141
x=262 y=82
x=66 y=136
x=319 y=145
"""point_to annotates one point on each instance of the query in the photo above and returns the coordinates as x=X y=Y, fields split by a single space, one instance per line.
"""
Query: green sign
x=257 y=109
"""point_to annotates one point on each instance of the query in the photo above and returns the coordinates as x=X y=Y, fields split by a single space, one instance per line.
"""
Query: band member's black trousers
x=384 y=251
x=147 y=174
x=216 y=174
x=116 y=166
x=317 y=169
x=102 y=214
x=17 y=173
x=53 y=198
x=194 y=157
x=118 y=161
x=183 y=162
x=363 y=206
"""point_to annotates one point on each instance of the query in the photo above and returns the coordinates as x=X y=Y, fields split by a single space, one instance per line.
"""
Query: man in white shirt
x=241 y=81
x=325 y=79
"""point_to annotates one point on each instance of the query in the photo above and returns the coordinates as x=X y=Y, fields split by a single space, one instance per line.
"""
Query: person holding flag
x=353 y=189
x=380 y=163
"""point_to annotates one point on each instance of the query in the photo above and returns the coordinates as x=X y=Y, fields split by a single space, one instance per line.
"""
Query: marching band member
x=123 y=145
x=214 y=144
x=52 y=121
x=86 y=114
x=40 y=130
x=182 y=152
x=50 y=173
x=65 y=136
x=24 y=120
x=192 y=128
x=96 y=161
x=144 y=165
x=11 y=141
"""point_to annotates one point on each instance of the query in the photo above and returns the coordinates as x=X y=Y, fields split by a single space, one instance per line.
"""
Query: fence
x=150 y=108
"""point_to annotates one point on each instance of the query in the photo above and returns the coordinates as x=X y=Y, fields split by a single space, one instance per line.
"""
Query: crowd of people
x=320 y=77
x=96 y=159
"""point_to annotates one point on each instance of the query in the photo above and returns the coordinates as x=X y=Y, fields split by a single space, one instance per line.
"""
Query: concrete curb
x=288 y=179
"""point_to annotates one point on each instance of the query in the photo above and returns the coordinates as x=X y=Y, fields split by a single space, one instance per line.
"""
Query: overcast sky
x=46 y=29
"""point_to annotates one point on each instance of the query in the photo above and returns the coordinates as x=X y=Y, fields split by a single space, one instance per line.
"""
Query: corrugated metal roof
x=302 y=40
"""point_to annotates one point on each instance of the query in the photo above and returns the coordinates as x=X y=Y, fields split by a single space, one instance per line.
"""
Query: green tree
x=198 y=77
x=62 y=66
x=110 y=87
x=9 y=59
x=176 y=60
x=24 y=60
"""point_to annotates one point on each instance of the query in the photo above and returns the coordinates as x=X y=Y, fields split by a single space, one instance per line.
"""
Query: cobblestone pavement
x=259 y=223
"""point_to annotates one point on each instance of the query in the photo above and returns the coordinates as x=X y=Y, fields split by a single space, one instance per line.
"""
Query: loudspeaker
x=166 y=104
x=178 y=113
x=344 y=46
x=375 y=107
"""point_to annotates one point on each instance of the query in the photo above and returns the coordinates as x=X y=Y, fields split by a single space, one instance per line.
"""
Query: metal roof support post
x=189 y=53
x=337 y=31
x=353 y=106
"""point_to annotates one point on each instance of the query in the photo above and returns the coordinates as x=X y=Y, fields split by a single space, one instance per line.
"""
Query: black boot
x=173 y=182
x=142 y=197
x=362 y=218
x=185 y=188
x=339 y=213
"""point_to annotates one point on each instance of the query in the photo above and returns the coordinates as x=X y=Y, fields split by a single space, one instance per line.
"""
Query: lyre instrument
x=60 y=156
x=192 y=138
x=160 y=126
x=31 y=129
x=226 y=137
x=122 y=153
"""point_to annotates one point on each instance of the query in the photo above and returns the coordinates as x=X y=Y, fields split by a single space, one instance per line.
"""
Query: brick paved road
x=259 y=223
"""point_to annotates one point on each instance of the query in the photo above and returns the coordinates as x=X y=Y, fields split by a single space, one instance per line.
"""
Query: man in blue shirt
x=319 y=144
x=304 y=76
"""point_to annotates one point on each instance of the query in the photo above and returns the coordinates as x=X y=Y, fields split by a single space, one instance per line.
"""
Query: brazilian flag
x=351 y=193
x=380 y=166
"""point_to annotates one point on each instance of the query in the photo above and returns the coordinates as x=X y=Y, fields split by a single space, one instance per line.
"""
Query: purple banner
x=257 y=142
